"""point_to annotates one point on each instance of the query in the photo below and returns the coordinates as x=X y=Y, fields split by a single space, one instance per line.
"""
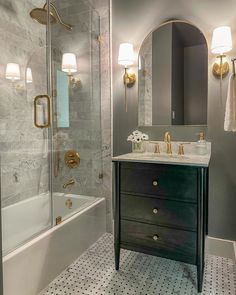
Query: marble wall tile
x=24 y=168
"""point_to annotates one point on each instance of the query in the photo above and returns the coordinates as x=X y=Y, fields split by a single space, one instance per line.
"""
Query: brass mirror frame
x=157 y=27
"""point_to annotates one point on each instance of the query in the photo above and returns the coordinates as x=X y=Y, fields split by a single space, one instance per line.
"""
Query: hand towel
x=230 y=110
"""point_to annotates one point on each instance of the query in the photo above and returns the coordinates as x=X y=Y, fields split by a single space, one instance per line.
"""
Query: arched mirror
x=173 y=66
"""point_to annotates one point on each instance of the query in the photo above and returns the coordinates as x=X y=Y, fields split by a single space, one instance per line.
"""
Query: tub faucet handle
x=70 y=182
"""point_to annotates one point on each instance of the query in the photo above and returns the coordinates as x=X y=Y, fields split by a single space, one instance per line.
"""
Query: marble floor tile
x=93 y=273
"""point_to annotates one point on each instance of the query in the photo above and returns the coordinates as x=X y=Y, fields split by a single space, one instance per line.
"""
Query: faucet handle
x=181 y=149
x=157 y=148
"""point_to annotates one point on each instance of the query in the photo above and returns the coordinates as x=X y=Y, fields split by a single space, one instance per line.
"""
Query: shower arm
x=68 y=27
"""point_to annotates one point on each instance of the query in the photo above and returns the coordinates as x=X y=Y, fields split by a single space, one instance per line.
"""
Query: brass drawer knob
x=155 y=237
x=155 y=183
x=155 y=210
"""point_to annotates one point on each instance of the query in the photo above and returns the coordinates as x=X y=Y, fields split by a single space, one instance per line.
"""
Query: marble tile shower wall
x=90 y=131
x=24 y=167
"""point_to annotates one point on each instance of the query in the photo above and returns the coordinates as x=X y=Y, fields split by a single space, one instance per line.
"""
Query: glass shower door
x=24 y=143
x=77 y=108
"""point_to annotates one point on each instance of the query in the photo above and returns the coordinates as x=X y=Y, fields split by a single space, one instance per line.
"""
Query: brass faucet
x=70 y=182
x=167 y=139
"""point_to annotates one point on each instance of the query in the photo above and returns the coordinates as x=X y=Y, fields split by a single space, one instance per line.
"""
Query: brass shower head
x=40 y=15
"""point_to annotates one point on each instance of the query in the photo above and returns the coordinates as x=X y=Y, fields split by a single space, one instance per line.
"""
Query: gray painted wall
x=177 y=78
x=195 y=85
x=131 y=21
x=161 y=76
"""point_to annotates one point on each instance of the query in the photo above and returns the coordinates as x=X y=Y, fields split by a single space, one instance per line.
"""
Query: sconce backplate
x=218 y=69
x=129 y=79
x=72 y=159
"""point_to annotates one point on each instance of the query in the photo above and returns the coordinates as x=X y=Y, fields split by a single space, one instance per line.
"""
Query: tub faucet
x=70 y=182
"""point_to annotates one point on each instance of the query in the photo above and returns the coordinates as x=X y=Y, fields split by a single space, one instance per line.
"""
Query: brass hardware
x=68 y=203
x=220 y=69
x=181 y=149
x=129 y=79
x=201 y=136
x=70 y=182
x=155 y=183
x=58 y=220
x=72 y=159
x=40 y=15
x=167 y=137
x=233 y=65
x=36 y=101
x=155 y=237
x=168 y=148
x=100 y=39
x=157 y=149
x=74 y=82
x=155 y=210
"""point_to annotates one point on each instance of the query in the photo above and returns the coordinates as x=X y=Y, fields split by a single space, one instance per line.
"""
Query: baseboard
x=220 y=247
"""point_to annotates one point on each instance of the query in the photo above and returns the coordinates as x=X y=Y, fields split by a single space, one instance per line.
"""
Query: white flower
x=130 y=137
x=145 y=136
x=137 y=136
x=137 y=132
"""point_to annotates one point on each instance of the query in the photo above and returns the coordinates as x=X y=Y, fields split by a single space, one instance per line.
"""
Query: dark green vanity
x=161 y=209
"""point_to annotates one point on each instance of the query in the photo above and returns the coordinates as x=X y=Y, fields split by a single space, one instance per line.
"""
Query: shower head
x=40 y=15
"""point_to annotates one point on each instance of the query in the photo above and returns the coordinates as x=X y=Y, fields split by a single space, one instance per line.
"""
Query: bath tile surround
x=140 y=274
x=24 y=162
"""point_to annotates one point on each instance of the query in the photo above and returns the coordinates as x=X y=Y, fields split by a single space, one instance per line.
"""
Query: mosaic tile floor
x=93 y=273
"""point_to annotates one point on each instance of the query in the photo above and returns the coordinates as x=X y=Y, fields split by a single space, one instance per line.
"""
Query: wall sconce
x=13 y=72
x=221 y=44
x=69 y=65
x=126 y=59
x=29 y=77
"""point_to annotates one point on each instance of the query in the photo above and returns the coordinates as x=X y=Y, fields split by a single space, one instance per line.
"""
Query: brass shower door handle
x=48 y=120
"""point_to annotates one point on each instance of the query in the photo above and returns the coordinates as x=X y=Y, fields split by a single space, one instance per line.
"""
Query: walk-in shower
x=45 y=121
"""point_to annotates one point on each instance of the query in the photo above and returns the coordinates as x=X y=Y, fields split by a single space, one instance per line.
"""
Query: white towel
x=230 y=110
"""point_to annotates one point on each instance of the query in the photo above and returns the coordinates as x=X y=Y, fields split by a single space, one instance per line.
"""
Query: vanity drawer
x=157 y=240
x=166 y=181
x=159 y=211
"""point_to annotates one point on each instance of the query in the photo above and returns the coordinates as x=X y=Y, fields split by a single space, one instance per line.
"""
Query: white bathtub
x=78 y=203
x=32 y=266
x=23 y=220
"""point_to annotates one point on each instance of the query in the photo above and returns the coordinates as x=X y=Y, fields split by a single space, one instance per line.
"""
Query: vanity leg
x=117 y=256
x=201 y=228
x=200 y=272
x=117 y=216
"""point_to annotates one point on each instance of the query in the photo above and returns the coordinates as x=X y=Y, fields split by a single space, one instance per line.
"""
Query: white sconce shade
x=29 y=78
x=126 y=54
x=13 y=71
x=221 y=40
x=69 y=64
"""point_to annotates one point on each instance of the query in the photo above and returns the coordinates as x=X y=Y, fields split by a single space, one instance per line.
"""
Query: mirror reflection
x=173 y=68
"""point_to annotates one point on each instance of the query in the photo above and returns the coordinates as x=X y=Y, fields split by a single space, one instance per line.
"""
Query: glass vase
x=138 y=147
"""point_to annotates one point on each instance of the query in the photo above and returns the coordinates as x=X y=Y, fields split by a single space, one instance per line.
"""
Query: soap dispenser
x=201 y=145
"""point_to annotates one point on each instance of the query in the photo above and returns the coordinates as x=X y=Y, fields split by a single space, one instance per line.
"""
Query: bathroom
x=74 y=202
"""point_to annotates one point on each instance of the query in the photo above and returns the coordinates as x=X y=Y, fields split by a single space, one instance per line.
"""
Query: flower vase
x=138 y=147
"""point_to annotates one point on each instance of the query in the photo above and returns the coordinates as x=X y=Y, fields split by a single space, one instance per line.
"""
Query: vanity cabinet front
x=161 y=210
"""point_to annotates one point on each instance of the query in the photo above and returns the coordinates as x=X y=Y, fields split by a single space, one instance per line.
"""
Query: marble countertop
x=189 y=160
